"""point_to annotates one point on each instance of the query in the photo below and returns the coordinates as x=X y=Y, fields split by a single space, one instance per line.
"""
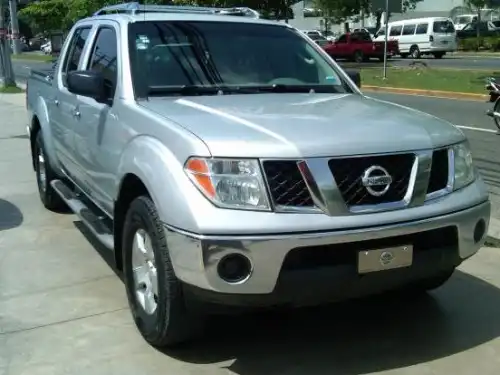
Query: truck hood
x=304 y=125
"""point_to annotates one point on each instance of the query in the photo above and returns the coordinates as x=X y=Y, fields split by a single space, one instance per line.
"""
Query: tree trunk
x=478 y=30
x=378 y=20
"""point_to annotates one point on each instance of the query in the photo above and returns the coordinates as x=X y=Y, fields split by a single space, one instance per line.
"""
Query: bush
x=490 y=43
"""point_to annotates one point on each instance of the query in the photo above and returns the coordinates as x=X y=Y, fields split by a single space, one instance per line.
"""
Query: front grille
x=286 y=185
x=348 y=173
x=439 y=172
x=314 y=257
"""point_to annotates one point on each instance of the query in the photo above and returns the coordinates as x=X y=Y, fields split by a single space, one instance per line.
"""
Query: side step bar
x=90 y=219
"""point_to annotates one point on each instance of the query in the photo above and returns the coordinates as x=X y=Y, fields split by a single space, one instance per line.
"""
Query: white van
x=422 y=36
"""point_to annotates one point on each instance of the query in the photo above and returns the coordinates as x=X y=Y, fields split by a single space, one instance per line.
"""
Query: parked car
x=486 y=28
x=464 y=19
x=232 y=162
x=359 y=47
x=422 y=36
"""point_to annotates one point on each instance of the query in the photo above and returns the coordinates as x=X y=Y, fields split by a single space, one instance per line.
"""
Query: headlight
x=464 y=169
x=230 y=183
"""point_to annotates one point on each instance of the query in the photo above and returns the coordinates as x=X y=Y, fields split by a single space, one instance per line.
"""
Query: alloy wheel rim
x=144 y=272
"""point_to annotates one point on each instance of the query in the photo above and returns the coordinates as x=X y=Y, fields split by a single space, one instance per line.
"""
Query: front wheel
x=154 y=293
x=496 y=109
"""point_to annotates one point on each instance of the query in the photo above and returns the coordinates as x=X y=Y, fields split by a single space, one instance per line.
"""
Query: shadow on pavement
x=10 y=216
x=355 y=337
x=104 y=253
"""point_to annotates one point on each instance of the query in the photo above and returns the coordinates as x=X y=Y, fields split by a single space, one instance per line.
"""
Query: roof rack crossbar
x=134 y=8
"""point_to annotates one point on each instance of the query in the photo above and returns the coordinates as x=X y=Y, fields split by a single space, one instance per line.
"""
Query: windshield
x=443 y=27
x=225 y=55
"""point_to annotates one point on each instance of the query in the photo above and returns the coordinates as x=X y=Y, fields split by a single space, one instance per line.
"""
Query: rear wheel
x=358 y=56
x=438 y=55
x=414 y=52
x=154 y=293
x=44 y=175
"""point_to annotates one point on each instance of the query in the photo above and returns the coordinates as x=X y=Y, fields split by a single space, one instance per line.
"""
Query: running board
x=90 y=219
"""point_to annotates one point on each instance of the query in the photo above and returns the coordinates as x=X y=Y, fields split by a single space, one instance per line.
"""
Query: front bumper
x=195 y=257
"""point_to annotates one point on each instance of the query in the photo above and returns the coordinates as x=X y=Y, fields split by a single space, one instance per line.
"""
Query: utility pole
x=6 y=72
x=16 y=46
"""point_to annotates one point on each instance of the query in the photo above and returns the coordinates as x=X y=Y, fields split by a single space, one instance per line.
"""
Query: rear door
x=443 y=33
x=63 y=103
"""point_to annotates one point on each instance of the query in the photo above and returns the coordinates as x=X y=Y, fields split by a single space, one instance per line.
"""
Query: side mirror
x=87 y=83
x=355 y=76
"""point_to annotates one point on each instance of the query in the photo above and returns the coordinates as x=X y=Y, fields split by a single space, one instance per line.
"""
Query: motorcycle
x=494 y=89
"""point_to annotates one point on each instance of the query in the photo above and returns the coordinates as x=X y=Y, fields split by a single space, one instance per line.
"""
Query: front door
x=97 y=123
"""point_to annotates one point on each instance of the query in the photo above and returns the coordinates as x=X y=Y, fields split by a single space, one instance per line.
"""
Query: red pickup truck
x=359 y=46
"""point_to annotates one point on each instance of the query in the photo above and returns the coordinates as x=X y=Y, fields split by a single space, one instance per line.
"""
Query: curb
x=431 y=93
x=493 y=238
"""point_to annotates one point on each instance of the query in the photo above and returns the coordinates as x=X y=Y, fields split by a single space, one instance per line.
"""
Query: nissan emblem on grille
x=376 y=180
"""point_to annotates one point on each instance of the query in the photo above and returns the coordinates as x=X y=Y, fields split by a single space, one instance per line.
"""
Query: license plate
x=385 y=259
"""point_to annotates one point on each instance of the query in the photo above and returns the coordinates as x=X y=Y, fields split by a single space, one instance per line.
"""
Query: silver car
x=229 y=160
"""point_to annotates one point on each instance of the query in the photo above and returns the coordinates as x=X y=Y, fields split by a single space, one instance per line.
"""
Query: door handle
x=76 y=113
x=56 y=102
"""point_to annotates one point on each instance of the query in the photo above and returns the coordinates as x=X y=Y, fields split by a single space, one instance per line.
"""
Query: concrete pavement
x=63 y=310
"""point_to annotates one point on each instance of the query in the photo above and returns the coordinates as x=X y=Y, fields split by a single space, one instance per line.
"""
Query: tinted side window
x=395 y=30
x=422 y=28
x=75 y=49
x=104 y=57
x=409 y=29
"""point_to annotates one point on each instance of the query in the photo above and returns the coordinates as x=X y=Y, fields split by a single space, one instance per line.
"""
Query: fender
x=177 y=199
x=41 y=111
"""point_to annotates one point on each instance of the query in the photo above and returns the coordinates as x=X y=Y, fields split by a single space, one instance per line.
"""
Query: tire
x=438 y=55
x=358 y=56
x=415 y=52
x=496 y=108
x=166 y=322
x=44 y=175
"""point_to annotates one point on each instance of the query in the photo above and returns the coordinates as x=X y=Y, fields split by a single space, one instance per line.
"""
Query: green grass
x=468 y=81
x=33 y=57
x=11 y=90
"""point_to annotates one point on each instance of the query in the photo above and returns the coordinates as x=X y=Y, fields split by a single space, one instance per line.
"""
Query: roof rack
x=134 y=8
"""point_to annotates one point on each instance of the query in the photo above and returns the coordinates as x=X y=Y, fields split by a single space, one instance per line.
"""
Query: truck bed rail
x=135 y=8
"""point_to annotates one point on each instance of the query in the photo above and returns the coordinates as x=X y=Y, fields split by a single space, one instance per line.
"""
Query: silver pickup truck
x=227 y=160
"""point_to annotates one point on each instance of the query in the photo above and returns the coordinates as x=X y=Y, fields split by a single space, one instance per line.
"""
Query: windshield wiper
x=283 y=88
x=185 y=90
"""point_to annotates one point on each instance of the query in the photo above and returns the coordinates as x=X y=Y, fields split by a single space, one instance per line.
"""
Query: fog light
x=479 y=230
x=234 y=268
